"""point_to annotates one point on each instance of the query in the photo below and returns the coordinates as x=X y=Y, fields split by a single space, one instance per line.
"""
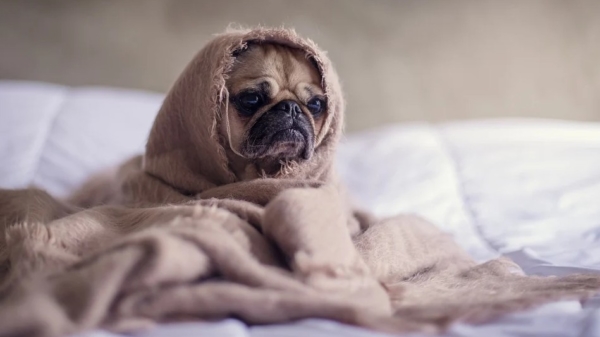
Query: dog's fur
x=267 y=135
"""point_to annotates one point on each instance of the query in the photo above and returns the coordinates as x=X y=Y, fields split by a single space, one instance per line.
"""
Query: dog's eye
x=248 y=103
x=250 y=100
x=315 y=105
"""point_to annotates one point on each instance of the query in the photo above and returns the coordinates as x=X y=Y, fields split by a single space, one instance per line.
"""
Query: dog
x=276 y=106
x=270 y=117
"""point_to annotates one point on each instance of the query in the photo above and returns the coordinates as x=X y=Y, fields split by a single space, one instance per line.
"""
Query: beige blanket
x=175 y=235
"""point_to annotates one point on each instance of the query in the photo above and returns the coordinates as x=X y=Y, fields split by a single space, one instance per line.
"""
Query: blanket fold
x=175 y=235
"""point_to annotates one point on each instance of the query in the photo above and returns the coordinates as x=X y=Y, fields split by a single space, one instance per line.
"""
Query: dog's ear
x=314 y=63
x=241 y=49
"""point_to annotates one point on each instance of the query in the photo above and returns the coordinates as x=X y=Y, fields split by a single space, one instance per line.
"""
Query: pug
x=276 y=106
x=272 y=109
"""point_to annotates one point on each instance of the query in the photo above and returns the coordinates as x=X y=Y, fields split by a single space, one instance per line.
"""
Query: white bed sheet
x=527 y=189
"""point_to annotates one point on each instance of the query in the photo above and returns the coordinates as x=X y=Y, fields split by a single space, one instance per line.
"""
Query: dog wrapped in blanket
x=235 y=210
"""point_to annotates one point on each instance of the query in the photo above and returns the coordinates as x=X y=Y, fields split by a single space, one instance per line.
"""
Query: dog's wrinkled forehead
x=275 y=70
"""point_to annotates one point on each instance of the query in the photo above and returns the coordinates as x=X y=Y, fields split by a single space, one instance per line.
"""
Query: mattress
x=526 y=189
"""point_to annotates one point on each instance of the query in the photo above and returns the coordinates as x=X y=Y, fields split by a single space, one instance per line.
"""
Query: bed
x=523 y=188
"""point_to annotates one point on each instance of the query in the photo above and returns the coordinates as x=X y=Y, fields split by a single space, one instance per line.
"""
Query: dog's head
x=276 y=105
x=252 y=103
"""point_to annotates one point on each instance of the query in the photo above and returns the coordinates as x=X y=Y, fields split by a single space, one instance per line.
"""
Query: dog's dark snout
x=290 y=107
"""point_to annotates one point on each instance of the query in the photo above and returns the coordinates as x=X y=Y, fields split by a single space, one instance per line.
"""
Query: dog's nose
x=290 y=107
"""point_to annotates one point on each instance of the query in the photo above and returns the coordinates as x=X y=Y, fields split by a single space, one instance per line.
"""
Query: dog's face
x=276 y=106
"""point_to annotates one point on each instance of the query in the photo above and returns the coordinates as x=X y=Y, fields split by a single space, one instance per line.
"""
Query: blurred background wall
x=429 y=60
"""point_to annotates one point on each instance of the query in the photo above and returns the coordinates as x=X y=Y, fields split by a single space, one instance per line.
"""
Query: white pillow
x=55 y=137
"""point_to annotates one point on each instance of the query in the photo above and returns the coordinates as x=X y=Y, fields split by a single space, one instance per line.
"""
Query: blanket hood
x=185 y=148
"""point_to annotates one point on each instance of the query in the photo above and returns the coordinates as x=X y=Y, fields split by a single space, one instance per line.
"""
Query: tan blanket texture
x=175 y=235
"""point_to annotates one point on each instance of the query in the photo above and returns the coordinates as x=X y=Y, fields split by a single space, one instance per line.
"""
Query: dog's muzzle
x=285 y=124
